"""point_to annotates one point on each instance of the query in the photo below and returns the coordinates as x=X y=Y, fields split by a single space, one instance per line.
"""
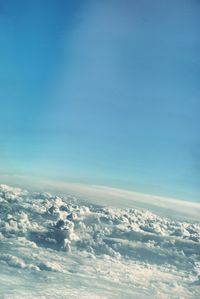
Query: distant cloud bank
x=108 y=196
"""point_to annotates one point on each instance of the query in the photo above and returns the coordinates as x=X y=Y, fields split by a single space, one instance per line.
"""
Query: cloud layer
x=55 y=241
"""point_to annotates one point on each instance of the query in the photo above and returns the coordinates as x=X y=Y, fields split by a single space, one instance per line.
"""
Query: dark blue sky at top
x=103 y=92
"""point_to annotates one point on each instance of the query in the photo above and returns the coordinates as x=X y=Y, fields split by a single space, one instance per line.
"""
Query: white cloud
x=103 y=195
x=111 y=252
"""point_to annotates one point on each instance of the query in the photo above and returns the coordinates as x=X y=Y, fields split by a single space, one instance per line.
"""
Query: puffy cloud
x=111 y=251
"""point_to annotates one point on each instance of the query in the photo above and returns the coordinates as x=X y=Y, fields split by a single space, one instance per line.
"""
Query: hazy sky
x=102 y=92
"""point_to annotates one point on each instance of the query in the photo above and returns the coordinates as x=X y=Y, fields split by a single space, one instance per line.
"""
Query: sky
x=102 y=92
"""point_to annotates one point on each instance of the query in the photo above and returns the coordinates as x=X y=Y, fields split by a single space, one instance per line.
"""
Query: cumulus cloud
x=111 y=251
x=103 y=195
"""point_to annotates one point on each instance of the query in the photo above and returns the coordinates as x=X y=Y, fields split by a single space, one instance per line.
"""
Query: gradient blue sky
x=103 y=92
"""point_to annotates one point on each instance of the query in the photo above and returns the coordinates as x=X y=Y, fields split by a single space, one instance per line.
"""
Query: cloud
x=112 y=252
x=124 y=198
x=107 y=196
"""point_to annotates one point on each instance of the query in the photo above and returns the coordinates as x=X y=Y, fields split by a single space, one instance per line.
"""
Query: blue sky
x=102 y=92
